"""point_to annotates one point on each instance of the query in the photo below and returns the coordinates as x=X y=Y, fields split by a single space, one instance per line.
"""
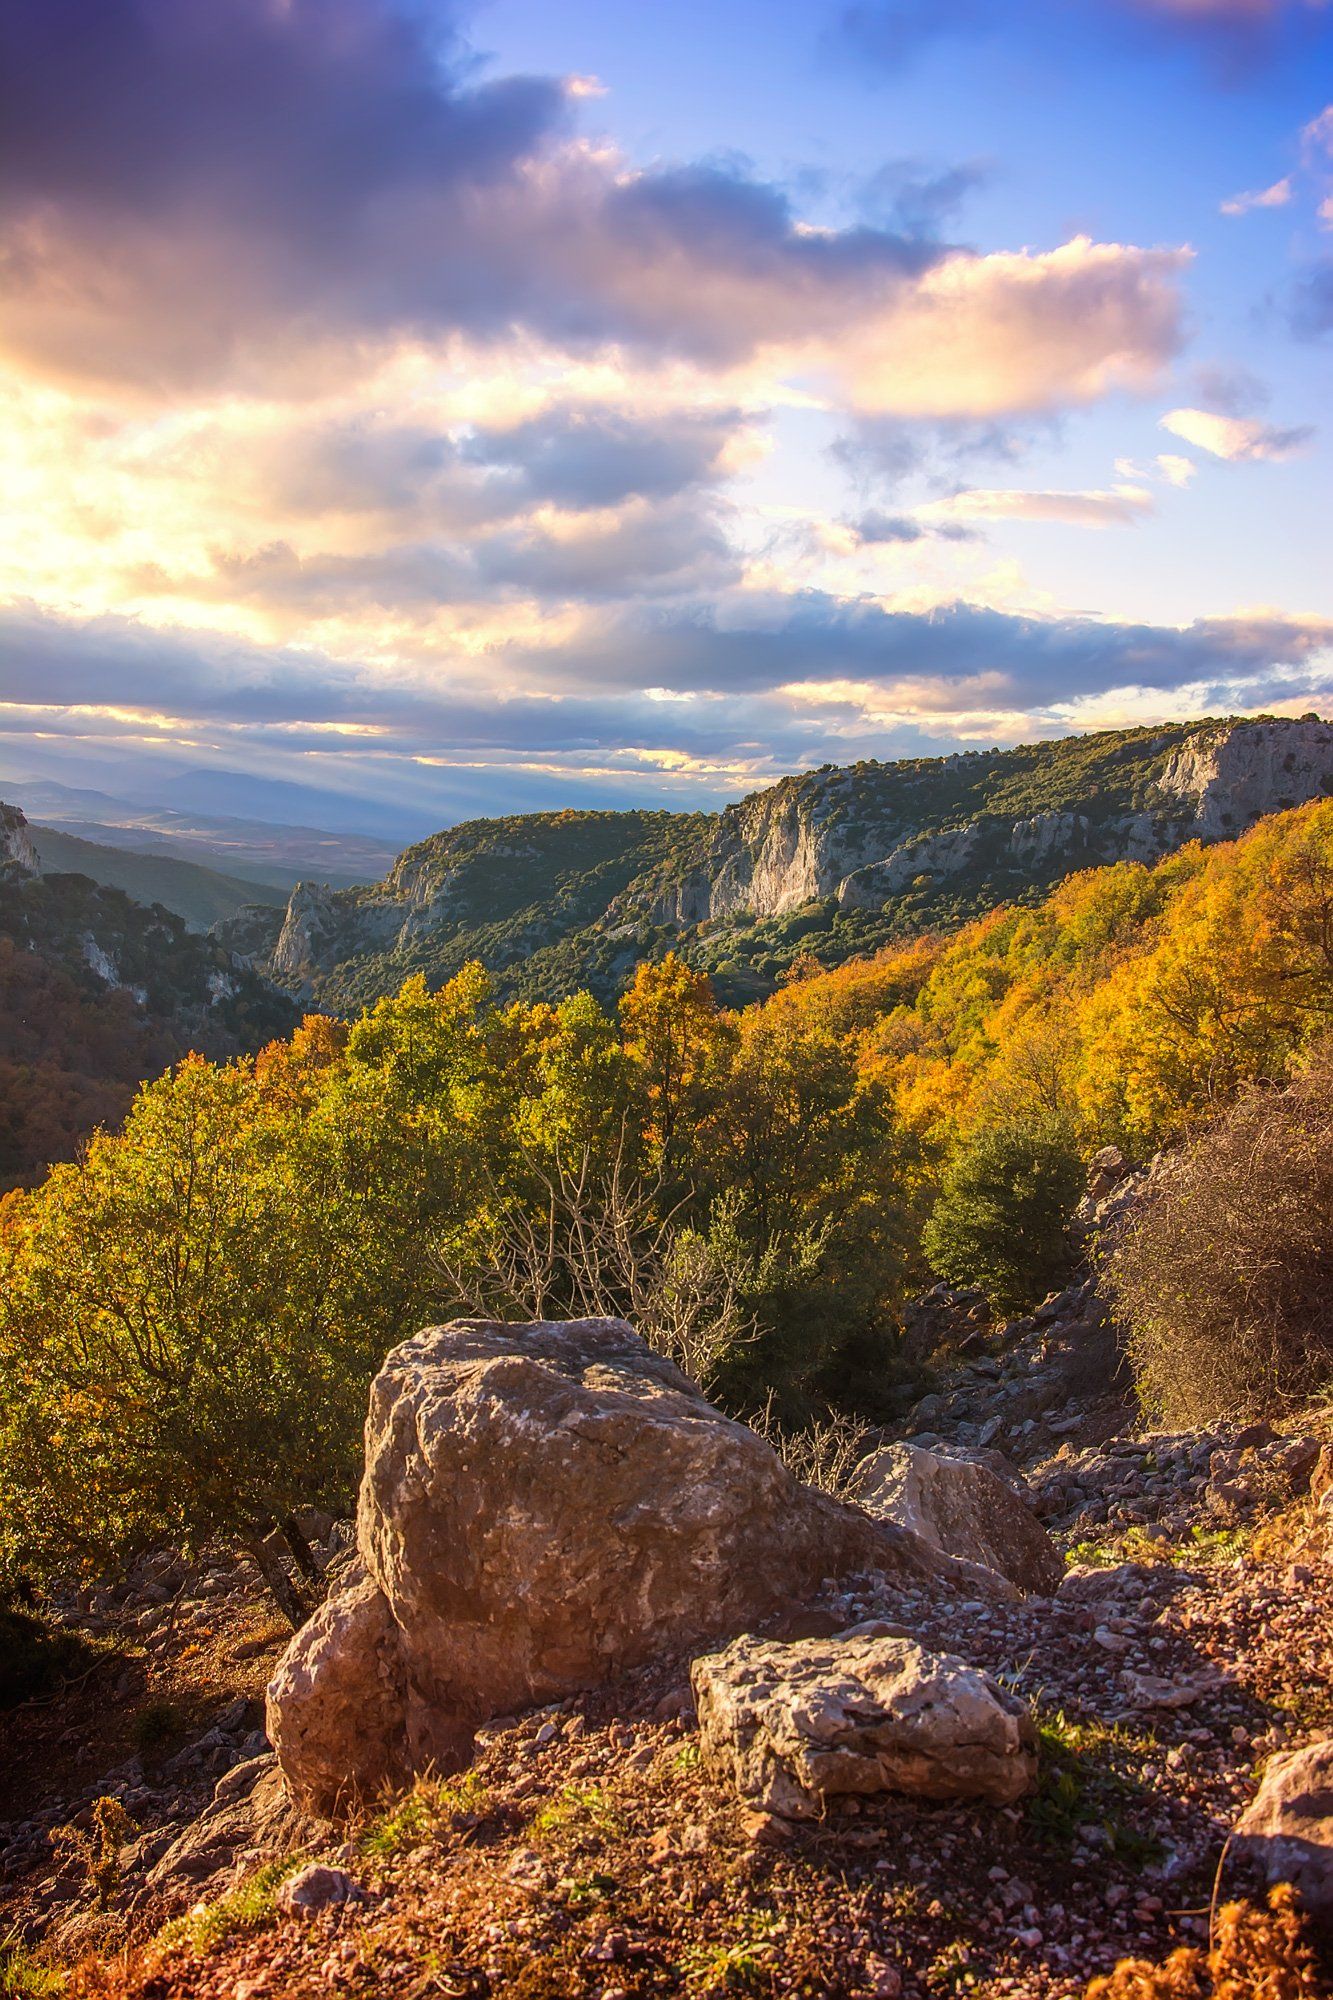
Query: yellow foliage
x=1134 y=1000
x=1258 y=1955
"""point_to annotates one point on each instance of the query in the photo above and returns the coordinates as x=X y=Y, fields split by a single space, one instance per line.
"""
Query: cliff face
x=551 y=901
x=16 y=848
x=849 y=834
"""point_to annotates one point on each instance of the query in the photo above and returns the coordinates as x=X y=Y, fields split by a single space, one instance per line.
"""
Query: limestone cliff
x=552 y=901
x=16 y=848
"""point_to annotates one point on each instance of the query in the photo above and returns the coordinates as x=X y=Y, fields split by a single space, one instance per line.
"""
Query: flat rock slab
x=794 y=1726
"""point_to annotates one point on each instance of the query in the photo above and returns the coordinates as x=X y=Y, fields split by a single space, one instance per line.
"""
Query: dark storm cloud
x=184 y=183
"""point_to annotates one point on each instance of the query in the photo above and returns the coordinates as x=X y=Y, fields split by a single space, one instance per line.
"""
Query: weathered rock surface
x=961 y=1508
x=544 y=1506
x=250 y=1812
x=1289 y=1827
x=337 y=1704
x=16 y=848
x=794 y=1726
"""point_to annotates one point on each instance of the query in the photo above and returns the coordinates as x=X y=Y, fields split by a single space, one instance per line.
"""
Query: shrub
x=1225 y=1281
x=1258 y=1955
x=1002 y=1218
x=23 y=1977
x=35 y=1657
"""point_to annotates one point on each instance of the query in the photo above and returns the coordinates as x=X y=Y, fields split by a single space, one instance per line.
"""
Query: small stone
x=883 y=1981
x=316 y=1887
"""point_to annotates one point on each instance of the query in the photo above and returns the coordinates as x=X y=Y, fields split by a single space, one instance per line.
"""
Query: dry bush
x=1259 y=1954
x=825 y=1452
x=1224 y=1283
x=604 y=1242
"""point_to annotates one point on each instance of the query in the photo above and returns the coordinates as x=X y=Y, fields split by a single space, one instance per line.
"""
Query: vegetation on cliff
x=554 y=902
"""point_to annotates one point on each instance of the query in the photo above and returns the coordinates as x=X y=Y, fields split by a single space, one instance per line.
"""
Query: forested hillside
x=832 y=862
x=97 y=995
x=192 y=1312
x=760 y=1189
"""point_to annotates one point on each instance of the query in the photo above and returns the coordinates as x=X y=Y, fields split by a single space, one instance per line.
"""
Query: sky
x=469 y=409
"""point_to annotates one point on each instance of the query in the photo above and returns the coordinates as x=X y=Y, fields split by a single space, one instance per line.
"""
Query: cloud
x=1177 y=471
x=743 y=678
x=1276 y=196
x=258 y=195
x=1120 y=506
x=1020 y=332
x=892 y=35
x=1310 y=305
x=910 y=199
x=1236 y=437
x=875 y=527
x=599 y=457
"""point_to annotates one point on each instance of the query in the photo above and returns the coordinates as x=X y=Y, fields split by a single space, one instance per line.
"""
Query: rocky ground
x=591 y=1851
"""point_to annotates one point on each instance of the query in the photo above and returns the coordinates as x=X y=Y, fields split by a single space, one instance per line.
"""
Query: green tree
x=191 y=1314
x=1002 y=1217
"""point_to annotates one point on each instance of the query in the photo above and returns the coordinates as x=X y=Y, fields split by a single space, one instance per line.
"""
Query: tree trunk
x=281 y=1588
x=302 y=1555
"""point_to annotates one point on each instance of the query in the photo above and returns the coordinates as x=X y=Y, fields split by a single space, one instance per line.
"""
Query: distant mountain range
x=274 y=854
x=202 y=896
x=829 y=863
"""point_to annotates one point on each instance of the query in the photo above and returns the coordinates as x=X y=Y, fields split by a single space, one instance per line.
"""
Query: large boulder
x=961 y=1509
x=794 y=1726
x=1288 y=1829
x=543 y=1506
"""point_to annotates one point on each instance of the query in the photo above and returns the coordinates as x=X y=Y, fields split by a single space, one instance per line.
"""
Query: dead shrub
x=1224 y=1283
x=1259 y=1954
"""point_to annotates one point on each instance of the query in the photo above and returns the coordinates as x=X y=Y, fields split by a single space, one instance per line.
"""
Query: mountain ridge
x=830 y=862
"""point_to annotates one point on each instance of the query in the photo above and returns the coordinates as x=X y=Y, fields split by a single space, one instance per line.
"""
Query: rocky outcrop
x=544 y=1506
x=796 y=1726
x=16 y=848
x=1288 y=1830
x=861 y=837
x=962 y=1509
x=1228 y=776
x=250 y=1814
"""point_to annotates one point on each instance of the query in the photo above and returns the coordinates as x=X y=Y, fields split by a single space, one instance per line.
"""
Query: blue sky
x=580 y=403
